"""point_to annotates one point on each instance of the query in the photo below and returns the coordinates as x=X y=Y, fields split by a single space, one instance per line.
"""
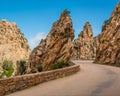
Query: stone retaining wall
x=9 y=85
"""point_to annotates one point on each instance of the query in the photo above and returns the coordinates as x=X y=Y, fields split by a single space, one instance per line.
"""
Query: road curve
x=91 y=80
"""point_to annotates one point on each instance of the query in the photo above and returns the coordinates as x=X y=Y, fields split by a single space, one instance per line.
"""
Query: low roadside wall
x=9 y=85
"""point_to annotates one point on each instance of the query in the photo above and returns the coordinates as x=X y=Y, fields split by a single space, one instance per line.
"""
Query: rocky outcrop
x=56 y=47
x=13 y=44
x=108 y=50
x=84 y=47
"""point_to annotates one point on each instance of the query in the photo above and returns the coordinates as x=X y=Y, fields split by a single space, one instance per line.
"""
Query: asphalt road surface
x=91 y=80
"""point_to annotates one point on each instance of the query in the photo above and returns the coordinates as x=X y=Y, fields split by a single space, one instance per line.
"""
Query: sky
x=35 y=17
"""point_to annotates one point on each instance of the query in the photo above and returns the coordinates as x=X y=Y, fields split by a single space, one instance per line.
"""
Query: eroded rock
x=56 y=47
x=84 y=47
x=13 y=44
x=108 y=50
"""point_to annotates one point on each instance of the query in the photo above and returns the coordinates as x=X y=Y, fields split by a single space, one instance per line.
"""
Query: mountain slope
x=13 y=44
x=108 y=51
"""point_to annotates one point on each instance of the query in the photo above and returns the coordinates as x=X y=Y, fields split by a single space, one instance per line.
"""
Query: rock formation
x=84 y=45
x=56 y=47
x=108 y=50
x=13 y=44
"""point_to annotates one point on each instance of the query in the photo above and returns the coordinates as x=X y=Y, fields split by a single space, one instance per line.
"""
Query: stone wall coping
x=12 y=84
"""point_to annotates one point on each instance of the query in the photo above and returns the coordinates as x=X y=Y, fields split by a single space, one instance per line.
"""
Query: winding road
x=91 y=80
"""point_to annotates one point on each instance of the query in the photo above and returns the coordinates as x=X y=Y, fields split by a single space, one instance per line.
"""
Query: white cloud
x=34 y=41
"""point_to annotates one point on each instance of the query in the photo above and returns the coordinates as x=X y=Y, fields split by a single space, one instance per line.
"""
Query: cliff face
x=13 y=44
x=84 y=45
x=56 y=47
x=108 y=50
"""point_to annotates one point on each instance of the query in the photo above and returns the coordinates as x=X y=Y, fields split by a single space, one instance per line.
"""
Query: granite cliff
x=13 y=45
x=56 y=47
x=84 y=47
x=108 y=51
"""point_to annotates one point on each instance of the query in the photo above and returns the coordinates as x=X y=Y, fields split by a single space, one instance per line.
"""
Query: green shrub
x=22 y=66
x=66 y=13
x=39 y=68
x=7 y=68
x=106 y=23
x=91 y=48
x=60 y=64
x=1 y=75
x=117 y=12
x=66 y=35
x=81 y=34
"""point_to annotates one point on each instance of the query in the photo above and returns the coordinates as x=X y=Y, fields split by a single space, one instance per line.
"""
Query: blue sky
x=35 y=17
